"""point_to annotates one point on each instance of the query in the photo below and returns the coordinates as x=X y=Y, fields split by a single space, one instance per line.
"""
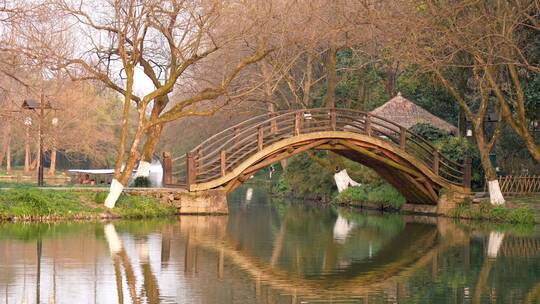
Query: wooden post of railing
x=402 y=137
x=167 y=168
x=367 y=125
x=436 y=161
x=297 y=123
x=223 y=158
x=260 y=137
x=333 y=119
x=467 y=174
x=200 y=154
x=191 y=173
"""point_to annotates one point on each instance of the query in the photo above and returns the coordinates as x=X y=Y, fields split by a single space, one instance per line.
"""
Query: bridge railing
x=225 y=150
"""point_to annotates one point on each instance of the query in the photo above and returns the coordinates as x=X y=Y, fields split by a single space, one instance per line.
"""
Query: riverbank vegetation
x=381 y=196
x=486 y=211
x=29 y=204
x=312 y=175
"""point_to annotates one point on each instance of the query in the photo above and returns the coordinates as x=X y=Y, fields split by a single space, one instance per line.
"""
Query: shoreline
x=470 y=211
x=517 y=210
x=33 y=204
x=81 y=203
x=100 y=218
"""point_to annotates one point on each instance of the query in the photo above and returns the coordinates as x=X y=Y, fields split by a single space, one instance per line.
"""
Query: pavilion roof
x=407 y=114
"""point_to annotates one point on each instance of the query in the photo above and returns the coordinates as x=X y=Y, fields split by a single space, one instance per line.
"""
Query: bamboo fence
x=519 y=185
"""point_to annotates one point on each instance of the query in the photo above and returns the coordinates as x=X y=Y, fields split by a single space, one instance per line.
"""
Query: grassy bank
x=43 y=204
x=381 y=196
x=507 y=213
x=517 y=210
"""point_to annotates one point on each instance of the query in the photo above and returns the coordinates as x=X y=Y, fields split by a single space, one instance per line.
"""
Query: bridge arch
x=404 y=159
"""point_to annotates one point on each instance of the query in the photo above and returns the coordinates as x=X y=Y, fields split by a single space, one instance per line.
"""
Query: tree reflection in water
x=270 y=252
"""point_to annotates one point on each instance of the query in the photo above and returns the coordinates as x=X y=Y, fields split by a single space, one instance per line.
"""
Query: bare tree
x=445 y=39
x=167 y=40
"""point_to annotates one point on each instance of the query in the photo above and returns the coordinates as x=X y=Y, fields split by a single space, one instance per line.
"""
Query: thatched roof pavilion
x=406 y=113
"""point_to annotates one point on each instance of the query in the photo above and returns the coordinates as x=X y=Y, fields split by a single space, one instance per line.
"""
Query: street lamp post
x=41 y=183
x=52 y=167
x=34 y=105
x=28 y=124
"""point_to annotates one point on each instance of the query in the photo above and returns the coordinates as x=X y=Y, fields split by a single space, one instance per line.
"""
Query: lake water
x=270 y=250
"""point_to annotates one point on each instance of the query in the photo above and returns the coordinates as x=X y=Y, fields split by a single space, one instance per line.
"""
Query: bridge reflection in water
x=264 y=252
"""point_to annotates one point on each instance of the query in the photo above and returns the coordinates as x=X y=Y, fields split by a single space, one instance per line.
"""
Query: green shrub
x=361 y=173
x=486 y=211
x=458 y=149
x=532 y=97
x=308 y=178
x=387 y=196
x=352 y=194
x=383 y=195
x=282 y=185
x=142 y=182
x=429 y=132
x=521 y=215
x=99 y=197
x=129 y=206
x=132 y=206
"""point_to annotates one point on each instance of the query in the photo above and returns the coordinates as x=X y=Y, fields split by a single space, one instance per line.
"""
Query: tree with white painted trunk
x=168 y=41
x=477 y=118
x=450 y=57
x=344 y=181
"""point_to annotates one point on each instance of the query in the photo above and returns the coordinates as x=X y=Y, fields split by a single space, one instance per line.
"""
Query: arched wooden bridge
x=404 y=159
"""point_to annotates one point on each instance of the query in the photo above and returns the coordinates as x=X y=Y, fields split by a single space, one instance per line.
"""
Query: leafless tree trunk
x=331 y=77
x=391 y=78
x=5 y=146
x=8 y=157
x=153 y=134
x=308 y=82
x=477 y=119
x=516 y=119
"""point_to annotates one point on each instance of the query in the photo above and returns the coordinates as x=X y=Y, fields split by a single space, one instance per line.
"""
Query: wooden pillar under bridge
x=167 y=168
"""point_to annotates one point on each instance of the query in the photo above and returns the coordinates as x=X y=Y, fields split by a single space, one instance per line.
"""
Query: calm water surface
x=270 y=251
